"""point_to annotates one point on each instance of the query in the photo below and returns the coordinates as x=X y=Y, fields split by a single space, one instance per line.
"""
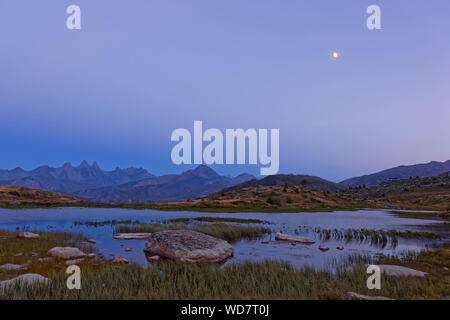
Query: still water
x=63 y=219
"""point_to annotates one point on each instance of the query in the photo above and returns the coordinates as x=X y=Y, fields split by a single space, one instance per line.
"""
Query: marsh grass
x=375 y=237
x=218 y=219
x=249 y=280
x=231 y=233
x=422 y=215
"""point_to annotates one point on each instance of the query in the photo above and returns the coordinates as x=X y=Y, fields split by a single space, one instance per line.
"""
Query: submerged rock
x=66 y=253
x=132 y=236
x=297 y=239
x=187 y=246
x=25 y=279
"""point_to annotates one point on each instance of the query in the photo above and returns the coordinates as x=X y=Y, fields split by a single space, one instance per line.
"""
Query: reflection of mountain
x=191 y=184
x=71 y=179
x=430 y=169
x=292 y=180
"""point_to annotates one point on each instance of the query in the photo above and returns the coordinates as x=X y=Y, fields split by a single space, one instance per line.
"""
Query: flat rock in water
x=357 y=296
x=393 y=270
x=298 y=239
x=323 y=248
x=12 y=267
x=28 y=235
x=66 y=253
x=132 y=236
x=25 y=279
x=187 y=246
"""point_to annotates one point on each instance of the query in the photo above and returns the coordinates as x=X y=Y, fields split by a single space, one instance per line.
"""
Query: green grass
x=231 y=233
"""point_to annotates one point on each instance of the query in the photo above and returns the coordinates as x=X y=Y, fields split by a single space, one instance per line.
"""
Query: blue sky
x=115 y=90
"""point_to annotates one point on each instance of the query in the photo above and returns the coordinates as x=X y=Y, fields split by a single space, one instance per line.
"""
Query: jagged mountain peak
x=84 y=164
x=67 y=165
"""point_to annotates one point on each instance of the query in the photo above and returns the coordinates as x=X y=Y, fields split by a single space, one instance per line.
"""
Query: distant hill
x=430 y=193
x=14 y=195
x=191 y=184
x=69 y=178
x=430 y=169
x=292 y=180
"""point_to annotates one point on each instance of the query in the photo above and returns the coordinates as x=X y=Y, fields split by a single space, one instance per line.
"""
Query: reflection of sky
x=114 y=91
x=289 y=223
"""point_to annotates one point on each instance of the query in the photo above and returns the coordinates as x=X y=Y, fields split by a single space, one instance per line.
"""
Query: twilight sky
x=115 y=90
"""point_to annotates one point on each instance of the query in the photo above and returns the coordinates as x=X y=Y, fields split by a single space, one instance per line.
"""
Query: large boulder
x=396 y=271
x=66 y=253
x=25 y=280
x=187 y=246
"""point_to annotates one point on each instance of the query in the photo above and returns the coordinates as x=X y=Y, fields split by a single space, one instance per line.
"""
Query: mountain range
x=70 y=179
x=191 y=184
x=422 y=170
x=137 y=185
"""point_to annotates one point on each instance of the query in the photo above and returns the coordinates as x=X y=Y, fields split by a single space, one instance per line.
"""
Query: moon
x=335 y=55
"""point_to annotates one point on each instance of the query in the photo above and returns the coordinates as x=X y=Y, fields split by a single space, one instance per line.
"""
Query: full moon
x=335 y=55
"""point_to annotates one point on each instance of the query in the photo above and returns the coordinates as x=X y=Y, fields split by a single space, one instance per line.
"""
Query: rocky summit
x=187 y=246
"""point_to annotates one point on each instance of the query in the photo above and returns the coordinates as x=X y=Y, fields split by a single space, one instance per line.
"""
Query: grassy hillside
x=292 y=180
x=15 y=195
